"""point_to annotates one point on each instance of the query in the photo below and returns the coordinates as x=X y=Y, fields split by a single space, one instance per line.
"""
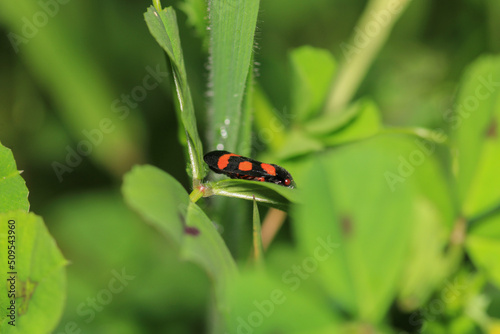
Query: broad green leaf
x=258 y=251
x=268 y=193
x=297 y=143
x=160 y=200
x=262 y=303
x=327 y=124
x=163 y=27
x=475 y=136
x=361 y=120
x=98 y=118
x=232 y=26
x=484 y=193
x=312 y=72
x=366 y=124
x=142 y=269
x=13 y=191
x=40 y=278
x=483 y=246
x=359 y=199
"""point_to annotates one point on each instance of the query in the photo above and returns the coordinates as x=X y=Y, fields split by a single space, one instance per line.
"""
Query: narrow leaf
x=232 y=26
x=163 y=27
x=268 y=193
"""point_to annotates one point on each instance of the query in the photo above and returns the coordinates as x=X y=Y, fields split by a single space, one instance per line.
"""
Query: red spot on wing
x=245 y=166
x=269 y=169
x=224 y=160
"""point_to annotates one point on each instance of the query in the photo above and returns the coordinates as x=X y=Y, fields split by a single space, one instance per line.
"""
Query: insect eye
x=287 y=182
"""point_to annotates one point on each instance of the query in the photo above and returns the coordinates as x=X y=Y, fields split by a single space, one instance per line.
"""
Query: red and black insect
x=238 y=167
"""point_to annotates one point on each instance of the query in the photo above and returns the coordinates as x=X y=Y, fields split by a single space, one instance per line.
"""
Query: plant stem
x=370 y=33
x=196 y=194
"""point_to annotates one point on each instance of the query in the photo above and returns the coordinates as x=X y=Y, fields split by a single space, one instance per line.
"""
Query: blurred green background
x=94 y=60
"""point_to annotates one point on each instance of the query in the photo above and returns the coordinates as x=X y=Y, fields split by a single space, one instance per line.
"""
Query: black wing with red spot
x=238 y=167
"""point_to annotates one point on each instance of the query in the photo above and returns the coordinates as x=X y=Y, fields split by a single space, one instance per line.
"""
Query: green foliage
x=391 y=227
x=40 y=278
x=475 y=136
x=163 y=202
x=313 y=70
x=13 y=191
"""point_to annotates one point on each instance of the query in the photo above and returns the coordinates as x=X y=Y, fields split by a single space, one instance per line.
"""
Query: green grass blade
x=13 y=191
x=163 y=27
x=232 y=27
x=268 y=193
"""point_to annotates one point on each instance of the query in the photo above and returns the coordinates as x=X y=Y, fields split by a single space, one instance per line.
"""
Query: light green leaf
x=366 y=123
x=160 y=200
x=13 y=191
x=163 y=27
x=358 y=204
x=40 y=278
x=475 y=136
x=483 y=246
x=312 y=72
x=232 y=27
